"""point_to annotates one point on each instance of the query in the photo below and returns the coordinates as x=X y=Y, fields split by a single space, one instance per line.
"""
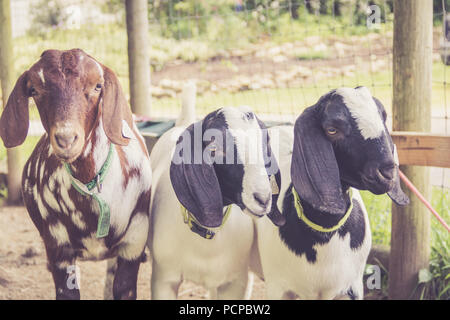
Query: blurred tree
x=438 y=8
x=294 y=9
x=7 y=78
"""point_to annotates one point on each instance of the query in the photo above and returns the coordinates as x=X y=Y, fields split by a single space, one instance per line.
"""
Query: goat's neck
x=323 y=218
x=94 y=154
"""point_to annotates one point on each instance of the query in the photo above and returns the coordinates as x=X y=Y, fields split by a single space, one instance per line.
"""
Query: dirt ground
x=24 y=275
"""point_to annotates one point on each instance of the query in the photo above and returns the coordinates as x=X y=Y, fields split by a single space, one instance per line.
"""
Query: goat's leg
x=164 y=283
x=61 y=263
x=236 y=289
x=130 y=255
x=356 y=292
x=274 y=291
x=111 y=268
x=125 y=279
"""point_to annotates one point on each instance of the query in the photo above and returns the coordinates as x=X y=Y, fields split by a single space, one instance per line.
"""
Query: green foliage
x=438 y=9
x=183 y=19
x=379 y=210
x=3 y=192
x=186 y=19
x=47 y=14
x=434 y=282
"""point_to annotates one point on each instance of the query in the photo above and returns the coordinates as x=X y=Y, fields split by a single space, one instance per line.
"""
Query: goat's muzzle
x=67 y=141
x=379 y=178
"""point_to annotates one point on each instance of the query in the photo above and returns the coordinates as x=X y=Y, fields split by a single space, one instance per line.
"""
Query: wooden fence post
x=138 y=56
x=412 y=71
x=7 y=82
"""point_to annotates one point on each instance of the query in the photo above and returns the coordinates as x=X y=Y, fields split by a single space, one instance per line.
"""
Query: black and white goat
x=337 y=146
x=200 y=184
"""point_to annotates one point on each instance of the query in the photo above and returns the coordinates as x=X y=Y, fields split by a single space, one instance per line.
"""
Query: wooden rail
x=422 y=149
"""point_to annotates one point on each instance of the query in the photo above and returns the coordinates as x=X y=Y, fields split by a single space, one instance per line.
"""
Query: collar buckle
x=197 y=228
x=99 y=184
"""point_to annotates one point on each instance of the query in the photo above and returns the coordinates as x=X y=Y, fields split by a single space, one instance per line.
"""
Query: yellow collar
x=196 y=227
x=301 y=216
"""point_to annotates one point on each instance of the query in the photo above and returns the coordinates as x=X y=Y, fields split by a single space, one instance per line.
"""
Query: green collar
x=314 y=226
x=196 y=227
x=85 y=189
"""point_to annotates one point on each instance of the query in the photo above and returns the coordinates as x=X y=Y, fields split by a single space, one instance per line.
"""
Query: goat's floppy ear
x=273 y=171
x=275 y=215
x=194 y=180
x=314 y=170
x=14 y=121
x=115 y=109
x=396 y=194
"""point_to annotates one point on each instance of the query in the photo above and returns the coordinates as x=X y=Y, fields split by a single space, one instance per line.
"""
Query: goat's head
x=343 y=141
x=72 y=92
x=226 y=158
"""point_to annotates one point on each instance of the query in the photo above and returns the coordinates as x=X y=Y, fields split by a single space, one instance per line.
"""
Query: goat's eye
x=331 y=131
x=33 y=92
x=249 y=115
x=98 y=87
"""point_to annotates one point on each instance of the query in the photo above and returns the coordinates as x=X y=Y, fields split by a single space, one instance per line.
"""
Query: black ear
x=396 y=194
x=314 y=170
x=273 y=171
x=275 y=215
x=194 y=180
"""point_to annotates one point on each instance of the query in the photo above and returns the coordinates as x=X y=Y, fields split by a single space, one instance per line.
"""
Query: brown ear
x=115 y=109
x=14 y=121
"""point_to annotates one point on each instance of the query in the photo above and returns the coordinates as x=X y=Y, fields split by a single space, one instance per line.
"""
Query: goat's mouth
x=355 y=182
x=66 y=158
x=376 y=185
x=67 y=155
x=251 y=212
x=67 y=146
x=253 y=205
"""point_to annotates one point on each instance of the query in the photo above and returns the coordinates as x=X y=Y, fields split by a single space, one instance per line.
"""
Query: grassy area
x=294 y=100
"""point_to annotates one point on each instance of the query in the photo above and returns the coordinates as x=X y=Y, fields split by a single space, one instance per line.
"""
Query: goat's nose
x=387 y=171
x=65 y=138
x=262 y=200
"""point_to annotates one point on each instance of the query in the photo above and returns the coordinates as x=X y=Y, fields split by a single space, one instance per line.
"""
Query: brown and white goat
x=89 y=127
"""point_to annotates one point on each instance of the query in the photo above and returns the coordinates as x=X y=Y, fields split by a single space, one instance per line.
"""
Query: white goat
x=321 y=251
x=205 y=242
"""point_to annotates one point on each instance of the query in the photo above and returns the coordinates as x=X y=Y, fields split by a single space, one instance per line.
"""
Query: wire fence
x=280 y=70
x=277 y=57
